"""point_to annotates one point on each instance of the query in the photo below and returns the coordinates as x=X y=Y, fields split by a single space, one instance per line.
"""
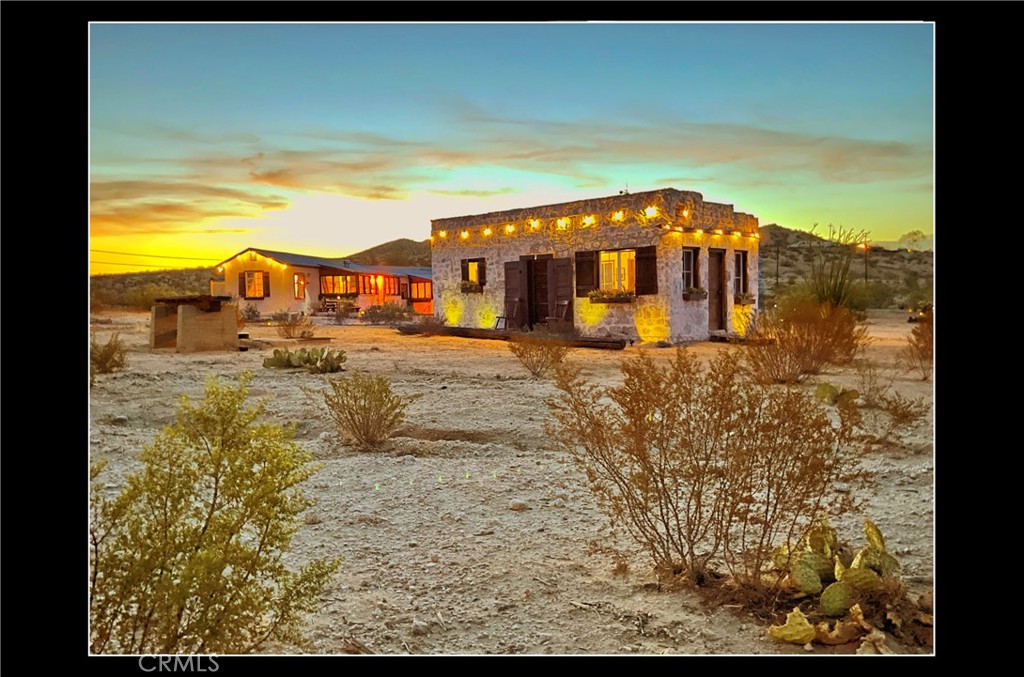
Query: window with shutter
x=740 y=284
x=647 y=270
x=253 y=284
x=474 y=275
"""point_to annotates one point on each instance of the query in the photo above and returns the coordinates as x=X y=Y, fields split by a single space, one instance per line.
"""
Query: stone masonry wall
x=615 y=222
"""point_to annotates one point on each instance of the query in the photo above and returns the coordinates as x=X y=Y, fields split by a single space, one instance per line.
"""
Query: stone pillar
x=200 y=331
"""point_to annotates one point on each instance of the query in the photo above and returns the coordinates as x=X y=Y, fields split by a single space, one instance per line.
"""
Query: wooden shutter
x=241 y=285
x=560 y=288
x=514 y=302
x=266 y=284
x=586 y=273
x=482 y=269
x=646 y=270
x=465 y=270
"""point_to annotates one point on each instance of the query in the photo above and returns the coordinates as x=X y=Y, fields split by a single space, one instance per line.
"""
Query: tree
x=188 y=557
x=912 y=239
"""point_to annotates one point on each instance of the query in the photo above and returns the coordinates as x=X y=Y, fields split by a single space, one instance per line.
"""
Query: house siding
x=650 y=317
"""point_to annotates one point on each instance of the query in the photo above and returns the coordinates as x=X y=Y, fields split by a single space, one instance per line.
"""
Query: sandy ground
x=435 y=561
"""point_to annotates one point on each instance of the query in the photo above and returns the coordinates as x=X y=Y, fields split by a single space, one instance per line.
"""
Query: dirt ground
x=435 y=559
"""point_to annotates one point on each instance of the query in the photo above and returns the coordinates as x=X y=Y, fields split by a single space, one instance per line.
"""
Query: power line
x=155 y=256
x=119 y=263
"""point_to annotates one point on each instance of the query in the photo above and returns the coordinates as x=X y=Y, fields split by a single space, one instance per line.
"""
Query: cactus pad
x=873 y=535
x=796 y=630
x=861 y=578
x=837 y=598
x=780 y=556
x=805 y=576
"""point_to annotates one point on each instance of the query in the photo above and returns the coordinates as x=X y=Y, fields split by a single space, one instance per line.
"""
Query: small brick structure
x=191 y=324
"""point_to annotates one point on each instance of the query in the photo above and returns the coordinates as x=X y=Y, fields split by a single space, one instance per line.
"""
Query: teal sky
x=330 y=138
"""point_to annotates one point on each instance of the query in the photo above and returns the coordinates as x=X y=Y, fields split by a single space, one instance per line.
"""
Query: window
x=338 y=284
x=299 y=284
x=254 y=284
x=391 y=286
x=474 y=274
x=691 y=276
x=618 y=270
x=421 y=291
x=739 y=280
x=367 y=284
x=630 y=270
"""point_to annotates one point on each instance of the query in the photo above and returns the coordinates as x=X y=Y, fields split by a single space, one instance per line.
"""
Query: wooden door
x=515 y=296
x=716 y=289
x=537 y=273
x=560 y=290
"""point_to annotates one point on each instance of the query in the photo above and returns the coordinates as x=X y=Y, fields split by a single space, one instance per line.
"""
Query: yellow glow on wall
x=534 y=223
x=443 y=233
x=588 y=220
x=488 y=231
x=590 y=314
x=464 y=234
x=735 y=233
x=651 y=211
x=618 y=216
x=563 y=223
x=699 y=231
x=452 y=307
x=651 y=323
x=686 y=213
x=741 y=317
x=755 y=236
x=220 y=269
x=486 y=317
x=510 y=228
x=718 y=231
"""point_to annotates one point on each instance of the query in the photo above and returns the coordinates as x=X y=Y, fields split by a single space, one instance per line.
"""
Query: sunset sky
x=331 y=138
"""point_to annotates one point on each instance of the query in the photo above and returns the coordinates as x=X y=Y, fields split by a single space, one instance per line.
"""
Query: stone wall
x=615 y=222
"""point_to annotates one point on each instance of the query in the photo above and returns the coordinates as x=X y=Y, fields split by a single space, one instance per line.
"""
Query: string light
x=618 y=216
x=588 y=220
x=534 y=223
x=487 y=230
x=443 y=233
x=563 y=223
x=651 y=211
x=464 y=234
x=510 y=228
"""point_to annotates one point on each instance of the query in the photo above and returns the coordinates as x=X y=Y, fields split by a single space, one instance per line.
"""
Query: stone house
x=662 y=265
x=281 y=281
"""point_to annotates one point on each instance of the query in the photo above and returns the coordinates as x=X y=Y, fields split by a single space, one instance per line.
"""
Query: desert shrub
x=365 y=408
x=292 y=325
x=92 y=375
x=539 y=351
x=830 y=261
x=108 y=357
x=250 y=313
x=798 y=338
x=314 y=360
x=702 y=466
x=918 y=353
x=389 y=313
x=188 y=557
x=873 y=294
x=431 y=325
x=872 y=385
x=342 y=311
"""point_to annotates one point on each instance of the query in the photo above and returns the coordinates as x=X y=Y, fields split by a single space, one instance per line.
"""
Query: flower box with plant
x=744 y=299
x=695 y=294
x=469 y=287
x=610 y=296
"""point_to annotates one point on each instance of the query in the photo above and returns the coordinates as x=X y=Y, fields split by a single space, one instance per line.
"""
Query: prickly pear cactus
x=826 y=392
x=873 y=535
x=805 y=576
x=837 y=598
x=796 y=630
x=861 y=579
x=781 y=556
x=881 y=562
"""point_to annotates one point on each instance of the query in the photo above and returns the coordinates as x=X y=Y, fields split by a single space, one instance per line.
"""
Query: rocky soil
x=469 y=533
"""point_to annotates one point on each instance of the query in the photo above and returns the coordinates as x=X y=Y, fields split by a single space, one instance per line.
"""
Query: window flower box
x=695 y=294
x=610 y=296
x=468 y=287
x=744 y=299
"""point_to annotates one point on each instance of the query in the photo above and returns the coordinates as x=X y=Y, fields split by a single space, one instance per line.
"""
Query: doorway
x=716 y=290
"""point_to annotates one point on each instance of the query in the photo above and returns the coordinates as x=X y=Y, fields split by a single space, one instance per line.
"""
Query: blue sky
x=331 y=138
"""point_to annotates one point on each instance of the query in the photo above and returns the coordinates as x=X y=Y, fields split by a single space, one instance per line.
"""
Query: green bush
x=870 y=295
x=314 y=360
x=108 y=357
x=188 y=558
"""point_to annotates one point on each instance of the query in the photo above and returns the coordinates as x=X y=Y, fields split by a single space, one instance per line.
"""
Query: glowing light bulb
x=534 y=223
x=618 y=216
x=487 y=230
x=510 y=228
x=588 y=220
x=464 y=234
x=651 y=211
x=443 y=233
x=563 y=223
